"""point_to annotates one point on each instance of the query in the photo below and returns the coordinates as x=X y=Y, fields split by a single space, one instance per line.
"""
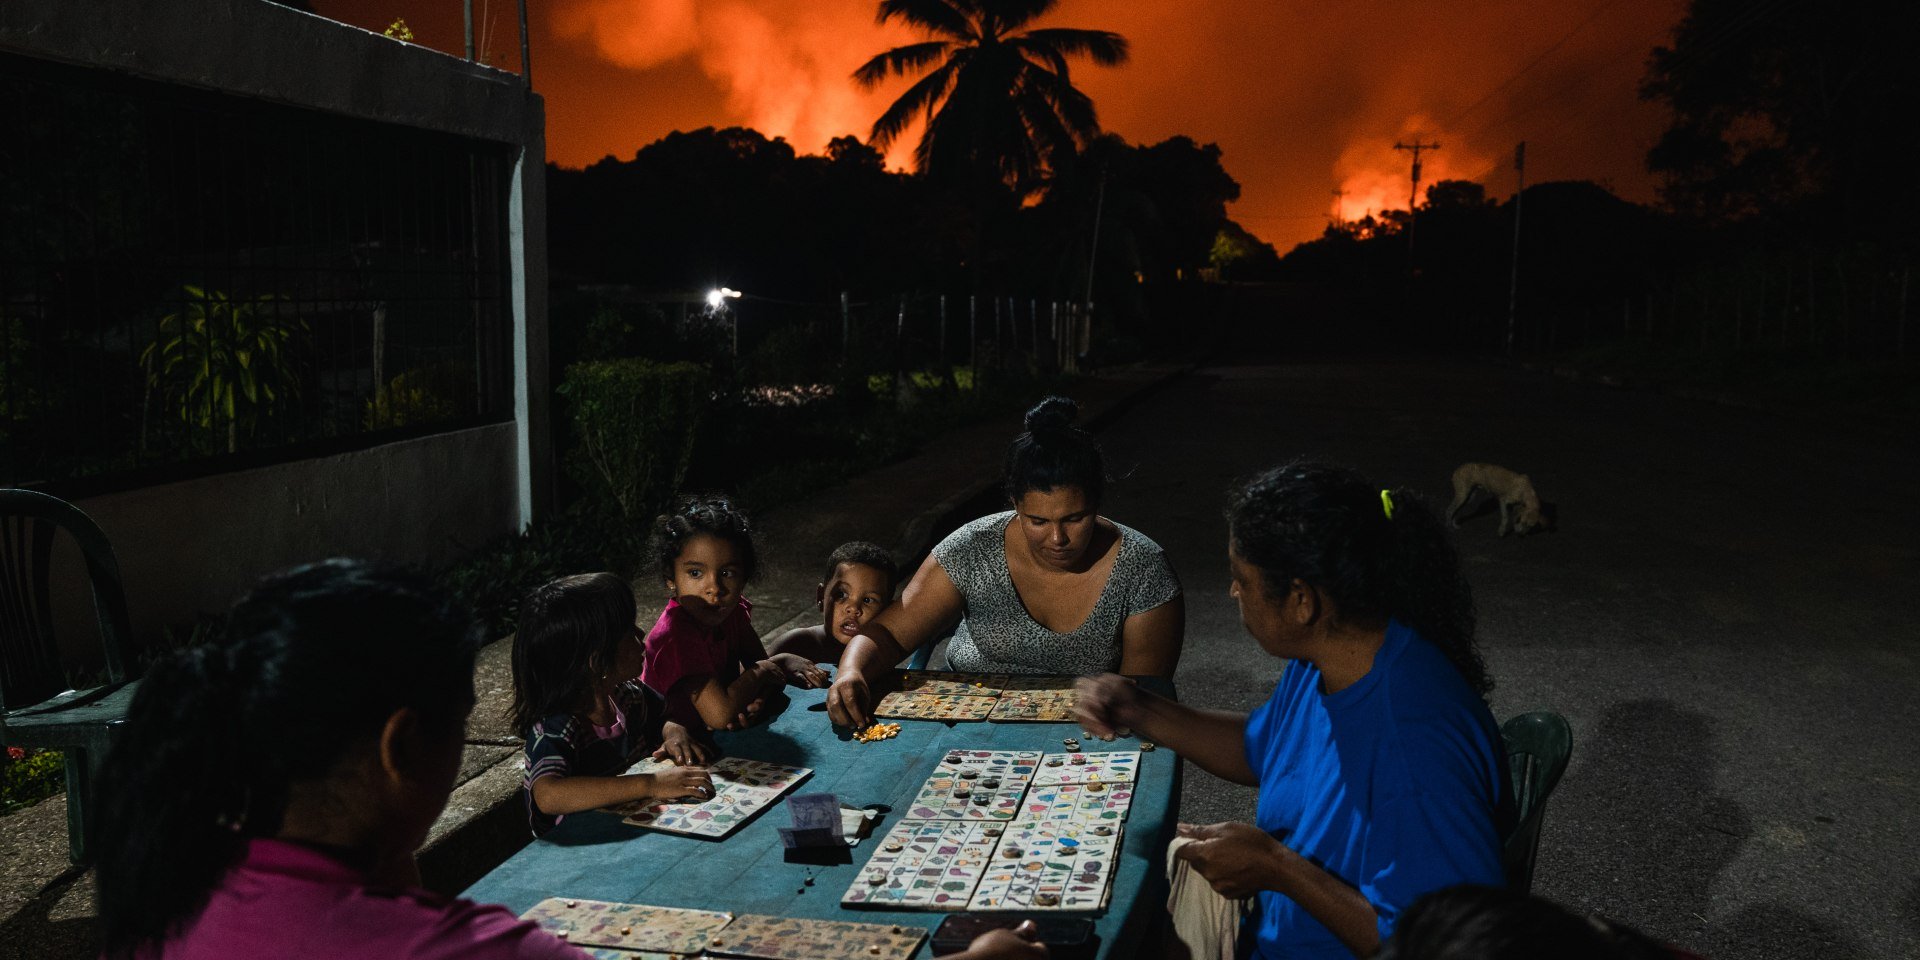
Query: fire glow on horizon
x=1303 y=99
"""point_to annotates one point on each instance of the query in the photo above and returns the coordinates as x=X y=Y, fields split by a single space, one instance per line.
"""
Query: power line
x=1719 y=40
x=1536 y=61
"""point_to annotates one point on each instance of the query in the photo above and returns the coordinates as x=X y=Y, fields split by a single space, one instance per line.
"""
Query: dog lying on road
x=1520 y=509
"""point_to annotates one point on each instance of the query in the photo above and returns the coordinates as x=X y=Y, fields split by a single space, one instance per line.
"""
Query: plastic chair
x=1538 y=746
x=81 y=723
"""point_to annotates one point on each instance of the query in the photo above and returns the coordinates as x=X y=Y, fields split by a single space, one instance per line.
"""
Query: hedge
x=634 y=424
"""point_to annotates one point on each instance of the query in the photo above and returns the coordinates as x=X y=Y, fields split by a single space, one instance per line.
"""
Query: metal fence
x=776 y=342
x=192 y=281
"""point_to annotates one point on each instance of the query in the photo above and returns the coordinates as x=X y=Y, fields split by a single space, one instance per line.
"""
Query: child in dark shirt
x=584 y=716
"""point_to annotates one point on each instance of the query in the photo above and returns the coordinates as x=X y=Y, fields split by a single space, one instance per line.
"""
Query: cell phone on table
x=1064 y=936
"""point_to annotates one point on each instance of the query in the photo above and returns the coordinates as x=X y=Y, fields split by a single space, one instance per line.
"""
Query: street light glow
x=721 y=295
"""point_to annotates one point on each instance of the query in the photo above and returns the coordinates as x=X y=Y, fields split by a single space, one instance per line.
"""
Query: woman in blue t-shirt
x=1381 y=772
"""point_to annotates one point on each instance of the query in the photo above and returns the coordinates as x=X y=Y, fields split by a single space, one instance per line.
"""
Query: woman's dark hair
x=312 y=664
x=1054 y=453
x=865 y=553
x=1329 y=526
x=712 y=514
x=570 y=631
x=1494 y=923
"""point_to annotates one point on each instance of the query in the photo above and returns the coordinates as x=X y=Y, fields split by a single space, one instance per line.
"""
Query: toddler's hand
x=800 y=671
x=693 y=782
x=1108 y=705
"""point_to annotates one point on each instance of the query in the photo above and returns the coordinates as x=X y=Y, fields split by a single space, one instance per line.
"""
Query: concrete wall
x=195 y=545
x=192 y=546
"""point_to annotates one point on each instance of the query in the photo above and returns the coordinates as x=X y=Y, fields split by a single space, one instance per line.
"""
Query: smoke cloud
x=784 y=67
x=1303 y=98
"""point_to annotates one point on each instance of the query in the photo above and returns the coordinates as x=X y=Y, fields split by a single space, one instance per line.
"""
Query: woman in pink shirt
x=271 y=787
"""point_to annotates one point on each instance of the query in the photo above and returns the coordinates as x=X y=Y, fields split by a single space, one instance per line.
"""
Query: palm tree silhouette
x=1000 y=106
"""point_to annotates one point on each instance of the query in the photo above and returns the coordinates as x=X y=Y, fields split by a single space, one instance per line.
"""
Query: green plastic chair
x=1538 y=747
x=80 y=723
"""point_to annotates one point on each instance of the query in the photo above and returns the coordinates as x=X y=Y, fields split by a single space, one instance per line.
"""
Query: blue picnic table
x=593 y=856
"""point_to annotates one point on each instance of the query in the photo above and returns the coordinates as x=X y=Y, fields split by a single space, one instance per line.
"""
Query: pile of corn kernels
x=879 y=731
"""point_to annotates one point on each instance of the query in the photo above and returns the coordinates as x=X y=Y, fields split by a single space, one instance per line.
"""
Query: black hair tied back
x=1052 y=416
x=1054 y=453
x=1376 y=552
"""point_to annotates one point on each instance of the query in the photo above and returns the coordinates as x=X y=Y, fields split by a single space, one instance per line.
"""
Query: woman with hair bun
x=1048 y=587
x=1381 y=772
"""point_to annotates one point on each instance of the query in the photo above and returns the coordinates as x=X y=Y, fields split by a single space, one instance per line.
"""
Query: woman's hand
x=1014 y=944
x=694 y=782
x=1108 y=705
x=1238 y=859
x=679 y=744
x=799 y=671
x=849 y=702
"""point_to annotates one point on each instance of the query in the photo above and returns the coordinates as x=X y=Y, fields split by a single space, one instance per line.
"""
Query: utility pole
x=1413 y=199
x=526 y=58
x=469 y=12
x=1339 y=209
x=1519 y=190
x=1093 y=245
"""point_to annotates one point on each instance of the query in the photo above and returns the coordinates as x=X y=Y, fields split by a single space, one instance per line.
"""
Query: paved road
x=1725 y=618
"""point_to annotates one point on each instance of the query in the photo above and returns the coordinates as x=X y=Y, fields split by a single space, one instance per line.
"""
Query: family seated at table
x=274 y=784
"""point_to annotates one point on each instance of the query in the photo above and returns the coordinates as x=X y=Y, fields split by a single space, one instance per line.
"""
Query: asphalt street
x=1725 y=616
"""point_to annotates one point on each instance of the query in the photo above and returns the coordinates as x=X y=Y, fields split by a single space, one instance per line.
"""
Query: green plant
x=424 y=395
x=224 y=362
x=493 y=578
x=634 y=424
x=30 y=776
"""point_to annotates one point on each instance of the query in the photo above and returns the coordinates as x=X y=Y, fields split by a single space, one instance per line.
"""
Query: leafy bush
x=224 y=362
x=424 y=395
x=634 y=425
x=30 y=776
x=494 y=578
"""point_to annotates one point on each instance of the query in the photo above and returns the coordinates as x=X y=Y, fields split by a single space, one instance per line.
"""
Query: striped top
x=564 y=745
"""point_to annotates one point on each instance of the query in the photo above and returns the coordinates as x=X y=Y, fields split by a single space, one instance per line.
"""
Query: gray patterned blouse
x=997 y=635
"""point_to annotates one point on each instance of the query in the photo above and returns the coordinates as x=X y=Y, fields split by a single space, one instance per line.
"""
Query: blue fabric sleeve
x=549 y=752
x=1259 y=738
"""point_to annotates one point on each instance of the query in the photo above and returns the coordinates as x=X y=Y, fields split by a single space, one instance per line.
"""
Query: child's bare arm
x=558 y=796
x=811 y=642
x=720 y=705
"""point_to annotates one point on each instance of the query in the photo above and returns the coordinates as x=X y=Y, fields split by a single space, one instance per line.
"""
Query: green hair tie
x=1386 y=504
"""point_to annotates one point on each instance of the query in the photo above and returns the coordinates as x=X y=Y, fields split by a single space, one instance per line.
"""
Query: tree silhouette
x=1791 y=112
x=999 y=103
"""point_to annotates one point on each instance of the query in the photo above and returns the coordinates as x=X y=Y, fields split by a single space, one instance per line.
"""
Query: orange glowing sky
x=1304 y=96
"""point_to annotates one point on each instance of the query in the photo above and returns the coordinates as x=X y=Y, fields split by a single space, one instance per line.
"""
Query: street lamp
x=717 y=307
